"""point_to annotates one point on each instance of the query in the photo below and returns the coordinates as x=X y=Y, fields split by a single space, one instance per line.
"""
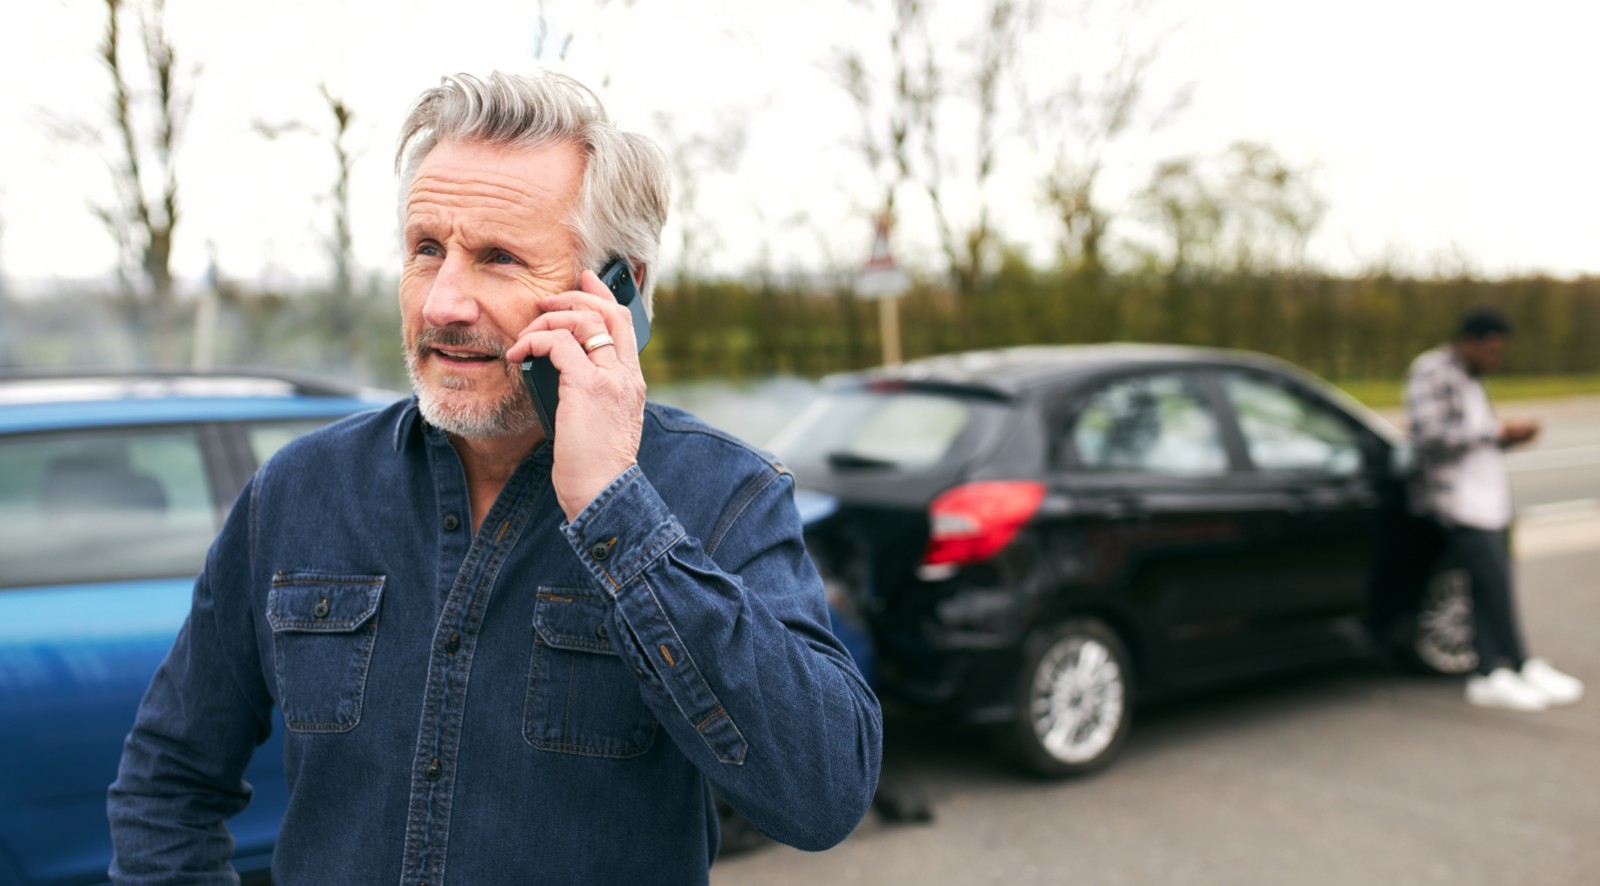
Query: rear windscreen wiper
x=851 y=460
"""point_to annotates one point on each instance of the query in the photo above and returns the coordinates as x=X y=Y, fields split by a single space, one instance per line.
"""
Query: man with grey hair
x=502 y=656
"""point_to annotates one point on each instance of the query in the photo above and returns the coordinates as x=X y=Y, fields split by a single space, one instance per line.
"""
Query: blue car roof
x=106 y=413
x=44 y=401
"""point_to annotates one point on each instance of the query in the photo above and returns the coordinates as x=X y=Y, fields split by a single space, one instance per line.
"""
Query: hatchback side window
x=1287 y=432
x=103 y=506
x=1154 y=424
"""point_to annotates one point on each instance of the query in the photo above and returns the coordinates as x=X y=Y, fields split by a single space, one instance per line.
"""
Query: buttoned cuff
x=624 y=530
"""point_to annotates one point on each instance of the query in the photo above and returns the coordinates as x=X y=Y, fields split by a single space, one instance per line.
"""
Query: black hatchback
x=1038 y=537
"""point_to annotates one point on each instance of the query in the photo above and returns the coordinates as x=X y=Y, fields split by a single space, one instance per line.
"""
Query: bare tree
x=338 y=133
x=149 y=106
x=542 y=37
x=906 y=135
x=1185 y=208
x=693 y=158
x=1245 y=211
x=343 y=243
x=1081 y=123
x=1276 y=208
x=551 y=45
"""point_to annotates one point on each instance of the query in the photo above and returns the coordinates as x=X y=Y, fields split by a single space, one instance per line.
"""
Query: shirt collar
x=410 y=417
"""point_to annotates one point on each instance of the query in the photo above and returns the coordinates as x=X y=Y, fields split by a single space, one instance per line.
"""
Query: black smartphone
x=541 y=376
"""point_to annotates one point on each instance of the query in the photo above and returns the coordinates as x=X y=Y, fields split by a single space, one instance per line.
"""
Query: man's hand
x=601 y=412
x=1515 y=432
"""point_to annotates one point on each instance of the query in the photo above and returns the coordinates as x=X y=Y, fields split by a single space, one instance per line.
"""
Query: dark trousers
x=1487 y=558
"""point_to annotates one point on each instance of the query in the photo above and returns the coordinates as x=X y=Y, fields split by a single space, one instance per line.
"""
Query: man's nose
x=450 y=298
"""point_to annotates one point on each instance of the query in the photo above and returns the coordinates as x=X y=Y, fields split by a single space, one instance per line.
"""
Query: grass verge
x=1386 y=393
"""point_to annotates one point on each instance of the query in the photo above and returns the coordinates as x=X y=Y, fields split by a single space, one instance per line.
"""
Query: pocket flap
x=566 y=618
x=318 y=602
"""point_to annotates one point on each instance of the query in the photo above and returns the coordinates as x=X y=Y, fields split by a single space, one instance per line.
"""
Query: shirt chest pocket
x=323 y=630
x=583 y=698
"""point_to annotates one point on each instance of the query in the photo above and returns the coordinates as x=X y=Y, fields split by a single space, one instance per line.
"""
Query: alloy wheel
x=1078 y=699
x=1443 y=640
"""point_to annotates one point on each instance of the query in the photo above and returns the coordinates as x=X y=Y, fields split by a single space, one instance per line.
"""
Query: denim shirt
x=539 y=702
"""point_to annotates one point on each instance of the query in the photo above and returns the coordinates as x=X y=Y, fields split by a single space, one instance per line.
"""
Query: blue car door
x=74 y=663
x=101 y=533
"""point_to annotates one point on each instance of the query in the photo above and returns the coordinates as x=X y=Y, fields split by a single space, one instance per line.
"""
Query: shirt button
x=451 y=522
x=600 y=550
x=434 y=770
x=600 y=631
x=321 y=610
x=452 y=644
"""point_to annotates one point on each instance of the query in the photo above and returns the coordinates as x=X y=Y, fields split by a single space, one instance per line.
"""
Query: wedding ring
x=597 y=342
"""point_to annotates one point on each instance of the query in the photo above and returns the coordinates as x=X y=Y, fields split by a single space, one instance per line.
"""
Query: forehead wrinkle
x=487 y=196
x=498 y=174
x=481 y=196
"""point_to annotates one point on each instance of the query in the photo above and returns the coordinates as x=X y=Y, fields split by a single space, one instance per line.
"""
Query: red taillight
x=974 y=522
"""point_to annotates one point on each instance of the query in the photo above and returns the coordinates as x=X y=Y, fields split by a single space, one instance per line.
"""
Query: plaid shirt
x=1438 y=386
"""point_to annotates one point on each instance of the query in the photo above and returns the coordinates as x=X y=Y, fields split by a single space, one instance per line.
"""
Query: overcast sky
x=1441 y=133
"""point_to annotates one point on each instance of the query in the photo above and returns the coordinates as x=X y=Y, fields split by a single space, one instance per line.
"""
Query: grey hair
x=622 y=204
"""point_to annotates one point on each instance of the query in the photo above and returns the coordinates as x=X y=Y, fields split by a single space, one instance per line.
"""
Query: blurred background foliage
x=1346 y=329
x=1210 y=250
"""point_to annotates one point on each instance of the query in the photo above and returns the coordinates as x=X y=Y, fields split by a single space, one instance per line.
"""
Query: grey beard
x=512 y=415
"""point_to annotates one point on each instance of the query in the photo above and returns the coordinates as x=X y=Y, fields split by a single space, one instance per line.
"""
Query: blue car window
x=106 y=505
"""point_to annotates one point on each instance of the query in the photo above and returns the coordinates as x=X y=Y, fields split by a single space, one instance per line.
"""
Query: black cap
x=1480 y=323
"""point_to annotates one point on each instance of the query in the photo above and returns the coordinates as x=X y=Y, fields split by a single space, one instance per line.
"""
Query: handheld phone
x=541 y=376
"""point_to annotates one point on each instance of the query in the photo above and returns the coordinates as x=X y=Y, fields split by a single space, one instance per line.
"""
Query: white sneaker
x=1558 y=688
x=1504 y=689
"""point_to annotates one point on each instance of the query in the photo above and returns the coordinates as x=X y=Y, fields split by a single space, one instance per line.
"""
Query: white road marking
x=1554 y=459
x=1557 y=534
x=1572 y=509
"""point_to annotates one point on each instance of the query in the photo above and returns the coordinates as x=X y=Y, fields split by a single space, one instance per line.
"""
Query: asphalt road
x=1349 y=775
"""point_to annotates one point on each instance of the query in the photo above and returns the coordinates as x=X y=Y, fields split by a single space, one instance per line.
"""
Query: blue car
x=111 y=489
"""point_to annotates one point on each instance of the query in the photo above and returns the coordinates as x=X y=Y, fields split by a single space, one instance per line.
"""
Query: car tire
x=1074 y=700
x=1441 y=637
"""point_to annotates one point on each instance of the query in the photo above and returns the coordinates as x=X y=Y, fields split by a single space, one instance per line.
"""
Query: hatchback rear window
x=901 y=429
